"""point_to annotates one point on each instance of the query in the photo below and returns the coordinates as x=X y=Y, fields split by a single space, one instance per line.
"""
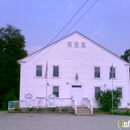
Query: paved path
x=11 y=121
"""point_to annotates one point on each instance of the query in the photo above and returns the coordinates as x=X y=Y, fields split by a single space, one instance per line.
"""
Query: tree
x=126 y=55
x=12 y=44
x=104 y=99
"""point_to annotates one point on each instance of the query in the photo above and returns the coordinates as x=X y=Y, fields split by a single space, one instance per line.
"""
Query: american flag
x=46 y=70
x=111 y=72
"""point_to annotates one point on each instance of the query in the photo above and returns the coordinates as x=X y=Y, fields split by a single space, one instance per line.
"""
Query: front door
x=76 y=94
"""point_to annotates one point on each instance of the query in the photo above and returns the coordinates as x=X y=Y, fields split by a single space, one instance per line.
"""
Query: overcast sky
x=107 y=23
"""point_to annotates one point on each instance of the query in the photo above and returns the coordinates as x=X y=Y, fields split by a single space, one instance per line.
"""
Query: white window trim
x=59 y=71
x=96 y=78
x=42 y=71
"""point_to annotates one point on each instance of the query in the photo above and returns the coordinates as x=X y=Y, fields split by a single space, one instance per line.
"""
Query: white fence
x=40 y=103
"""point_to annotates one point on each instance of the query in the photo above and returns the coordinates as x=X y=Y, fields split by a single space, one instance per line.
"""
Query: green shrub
x=104 y=99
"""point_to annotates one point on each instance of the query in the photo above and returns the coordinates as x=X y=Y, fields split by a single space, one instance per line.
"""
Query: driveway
x=39 y=121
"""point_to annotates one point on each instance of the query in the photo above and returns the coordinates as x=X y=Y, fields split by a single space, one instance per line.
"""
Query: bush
x=104 y=99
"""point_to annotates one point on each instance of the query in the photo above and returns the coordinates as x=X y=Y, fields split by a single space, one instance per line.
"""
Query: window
x=97 y=90
x=97 y=72
x=120 y=90
x=38 y=70
x=112 y=72
x=76 y=44
x=55 y=71
x=69 y=44
x=83 y=44
x=56 y=91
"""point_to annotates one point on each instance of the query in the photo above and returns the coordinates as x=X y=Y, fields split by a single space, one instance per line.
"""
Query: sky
x=107 y=23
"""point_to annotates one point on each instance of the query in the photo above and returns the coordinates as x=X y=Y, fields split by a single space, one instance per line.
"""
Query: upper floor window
x=83 y=44
x=56 y=90
x=55 y=71
x=69 y=44
x=112 y=72
x=38 y=70
x=76 y=44
x=97 y=72
x=97 y=91
x=120 y=90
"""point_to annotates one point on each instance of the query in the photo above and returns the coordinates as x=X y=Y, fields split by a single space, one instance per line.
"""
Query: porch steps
x=83 y=111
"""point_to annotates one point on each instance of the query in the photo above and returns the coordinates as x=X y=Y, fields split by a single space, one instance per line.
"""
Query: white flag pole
x=46 y=76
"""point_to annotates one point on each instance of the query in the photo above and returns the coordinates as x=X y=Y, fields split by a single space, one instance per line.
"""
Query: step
x=83 y=111
x=81 y=107
x=82 y=114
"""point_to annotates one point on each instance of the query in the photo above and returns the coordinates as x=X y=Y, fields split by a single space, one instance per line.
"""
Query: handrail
x=88 y=103
x=74 y=105
x=91 y=106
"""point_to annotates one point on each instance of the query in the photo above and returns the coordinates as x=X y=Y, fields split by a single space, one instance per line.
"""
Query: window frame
x=98 y=73
x=95 y=94
x=69 y=44
x=76 y=45
x=36 y=71
x=53 y=71
x=83 y=45
x=121 y=91
x=58 y=90
x=110 y=74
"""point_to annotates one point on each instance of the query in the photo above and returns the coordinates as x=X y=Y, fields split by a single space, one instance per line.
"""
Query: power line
x=59 y=32
x=69 y=21
x=81 y=17
x=67 y=31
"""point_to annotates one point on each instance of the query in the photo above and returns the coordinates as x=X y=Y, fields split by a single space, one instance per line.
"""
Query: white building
x=78 y=68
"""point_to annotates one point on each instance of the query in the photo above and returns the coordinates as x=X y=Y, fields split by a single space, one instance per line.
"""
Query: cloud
x=71 y=6
x=98 y=33
x=32 y=49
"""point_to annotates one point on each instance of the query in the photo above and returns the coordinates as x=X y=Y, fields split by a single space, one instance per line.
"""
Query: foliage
x=12 y=44
x=104 y=99
x=126 y=55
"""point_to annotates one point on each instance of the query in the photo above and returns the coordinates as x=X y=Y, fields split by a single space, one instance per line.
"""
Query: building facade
x=74 y=67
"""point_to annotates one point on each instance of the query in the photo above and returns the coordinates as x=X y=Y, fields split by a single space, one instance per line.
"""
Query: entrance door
x=76 y=93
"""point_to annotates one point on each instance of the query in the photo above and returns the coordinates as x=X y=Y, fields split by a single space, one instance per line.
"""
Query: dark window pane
x=55 y=71
x=56 y=91
x=97 y=72
x=74 y=86
x=38 y=70
x=97 y=90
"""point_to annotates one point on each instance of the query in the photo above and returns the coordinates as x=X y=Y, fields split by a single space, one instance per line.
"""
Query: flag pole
x=46 y=77
x=112 y=94
x=46 y=95
x=112 y=87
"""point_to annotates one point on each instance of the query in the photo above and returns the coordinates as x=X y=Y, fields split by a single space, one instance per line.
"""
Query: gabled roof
x=68 y=36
